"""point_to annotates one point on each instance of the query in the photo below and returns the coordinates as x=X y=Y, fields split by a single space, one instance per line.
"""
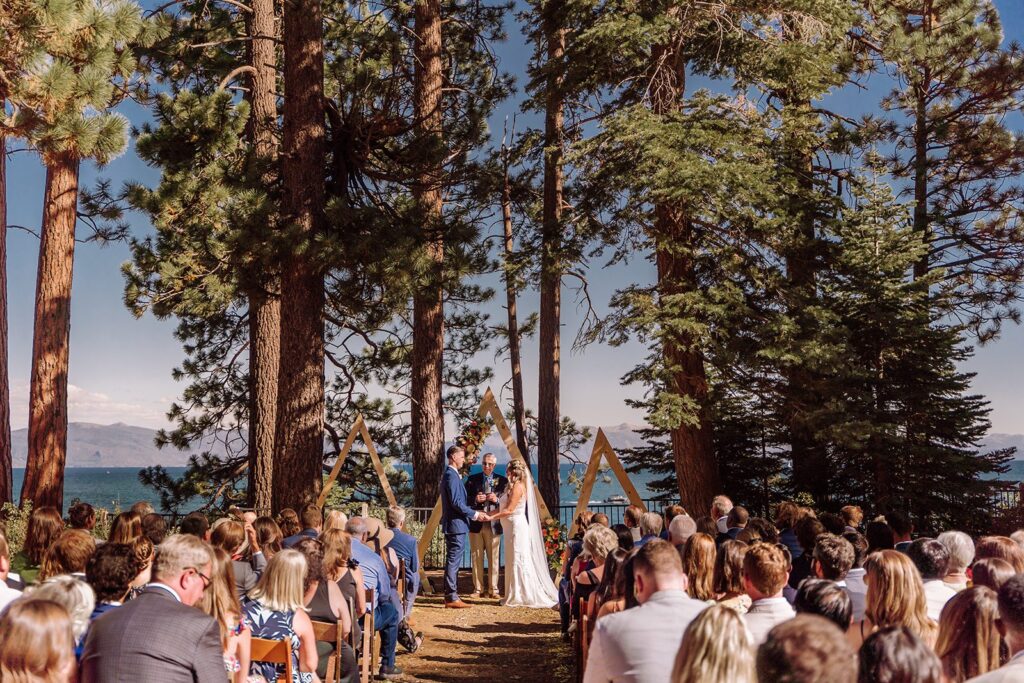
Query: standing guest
x=764 y=529
x=631 y=646
x=969 y=643
x=160 y=632
x=902 y=528
x=832 y=558
x=961 y=555
x=787 y=514
x=44 y=527
x=895 y=598
x=275 y=610
x=572 y=552
x=335 y=519
x=36 y=643
x=268 y=536
x=1011 y=625
x=142 y=508
x=807 y=531
x=229 y=535
x=896 y=653
x=154 y=527
x=68 y=555
x=598 y=543
x=600 y=518
x=631 y=518
x=720 y=508
x=625 y=536
x=144 y=553
x=806 y=649
x=668 y=514
x=855 y=585
x=736 y=521
x=698 y=560
x=680 y=530
x=826 y=599
x=312 y=521
x=76 y=597
x=7 y=594
x=727 y=581
x=716 y=647
x=125 y=528
x=110 y=572
x=853 y=517
x=342 y=570
x=375 y=576
x=196 y=524
x=82 y=516
x=932 y=561
x=650 y=527
x=1003 y=548
x=326 y=603
x=879 y=535
x=764 y=577
x=288 y=521
x=991 y=572
x=406 y=548
x=482 y=492
x=220 y=601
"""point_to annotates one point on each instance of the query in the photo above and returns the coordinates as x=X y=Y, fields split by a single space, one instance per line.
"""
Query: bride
x=527 y=579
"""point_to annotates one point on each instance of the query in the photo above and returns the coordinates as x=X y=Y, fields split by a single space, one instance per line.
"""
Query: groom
x=455 y=518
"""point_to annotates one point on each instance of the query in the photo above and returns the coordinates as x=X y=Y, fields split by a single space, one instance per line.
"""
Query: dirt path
x=486 y=643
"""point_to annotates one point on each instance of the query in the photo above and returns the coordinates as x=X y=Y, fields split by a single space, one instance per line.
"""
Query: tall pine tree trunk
x=511 y=307
x=6 y=482
x=428 y=301
x=264 y=304
x=674 y=242
x=48 y=392
x=549 y=390
x=298 y=439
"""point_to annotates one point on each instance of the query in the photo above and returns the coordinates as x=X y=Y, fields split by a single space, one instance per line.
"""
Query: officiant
x=482 y=491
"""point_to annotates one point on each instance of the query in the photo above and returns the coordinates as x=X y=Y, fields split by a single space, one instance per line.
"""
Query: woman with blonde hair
x=220 y=602
x=699 y=566
x=969 y=643
x=69 y=554
x=275 y=610
x=125 y=528
x=44 y=527
x=895 y=597
x=727 y=581
x=716 y=647
x=36 y=643
x=76 y=597
x=335 y=519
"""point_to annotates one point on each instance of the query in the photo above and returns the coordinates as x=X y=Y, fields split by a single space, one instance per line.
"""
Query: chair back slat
x=273 y=652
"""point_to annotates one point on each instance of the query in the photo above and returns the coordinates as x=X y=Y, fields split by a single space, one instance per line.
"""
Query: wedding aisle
x=486 y=643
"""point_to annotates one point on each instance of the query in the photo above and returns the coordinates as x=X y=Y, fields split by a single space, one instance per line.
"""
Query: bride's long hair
x=516 y=471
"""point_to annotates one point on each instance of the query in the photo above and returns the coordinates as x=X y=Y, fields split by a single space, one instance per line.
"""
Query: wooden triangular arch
x=603 y=447
x=358 y=429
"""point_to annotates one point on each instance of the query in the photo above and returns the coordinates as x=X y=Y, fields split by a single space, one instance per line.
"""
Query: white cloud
x=92 y=406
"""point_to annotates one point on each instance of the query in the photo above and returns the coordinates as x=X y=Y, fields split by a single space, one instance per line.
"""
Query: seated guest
x=788 y=592
x=340 y=568
x=806 y=649
x=229 y=535
x=625 y=536
x=69 y=554
x=406 y=548
x=832 y=558
x=826 y=599
x=764 y=530
x=44 y=527
x=716 y=647
x=1010 y=603
x=375 y=576
x=991 y=572
x=610 y=591
x=736 y=521
x=125 y=528
x=631 y=518
x=668 y=514
x=902 y=528
x=961 y=555
x=879 y=536
x=720 y=508
x=855 y=585
x=326 y=603
x=154 y=527
x=632 y=645
x=335 y=519
x=698 y=560
x=144 y=552
x=220 y=601
x=787 y=514
x=764 y=577
x=852 y=517
x=650 y=527
x=312 y=522
x=36 y=643
x=7 y=594
x=680 y=529
x=269 y=537
x=110 y=572
x=895 y=653
x=142 y=508
x=82 y=516
x=969 y=643
x=600 y=518
x=288 y=521
x=1003 y=548
x=572 y=552
x=807 y=531
x=598 y=543
x=196 y=524
x=75 y=596
x=895 y=598
x=1018 y=537
x=134 y=637
x=932 y=560
x=706 y=525
x=727 y=581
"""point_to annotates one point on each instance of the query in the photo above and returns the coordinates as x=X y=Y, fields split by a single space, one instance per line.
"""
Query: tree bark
x=6 y=481
x=428 y=301
x=514 y=355
x=549 y=375
x=264 y=304
x=48 y=392
x=298 y=438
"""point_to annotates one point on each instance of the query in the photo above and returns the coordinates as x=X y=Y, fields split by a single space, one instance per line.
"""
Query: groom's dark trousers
x=455 y=517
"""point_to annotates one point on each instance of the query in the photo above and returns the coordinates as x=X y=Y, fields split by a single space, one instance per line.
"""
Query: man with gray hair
x=482 y=492
x=721 y=506
x=680 y=529
x=404 y=546
x=160 y=636
x=650 y=528
x=375 y=575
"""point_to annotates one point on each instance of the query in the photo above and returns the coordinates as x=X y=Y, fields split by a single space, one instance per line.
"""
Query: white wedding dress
x=527 y=579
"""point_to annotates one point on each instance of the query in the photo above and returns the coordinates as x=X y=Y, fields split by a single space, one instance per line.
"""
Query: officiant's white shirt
x=634 y=645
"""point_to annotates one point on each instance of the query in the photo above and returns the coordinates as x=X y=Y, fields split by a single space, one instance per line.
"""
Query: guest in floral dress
x=221 y=603
x=274 y=610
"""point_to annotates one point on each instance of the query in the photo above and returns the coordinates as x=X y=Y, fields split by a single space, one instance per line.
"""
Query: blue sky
x=121 y=366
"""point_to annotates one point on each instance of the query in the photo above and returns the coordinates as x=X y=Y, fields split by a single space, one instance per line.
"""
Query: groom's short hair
x=452 y=450
x=658 y=558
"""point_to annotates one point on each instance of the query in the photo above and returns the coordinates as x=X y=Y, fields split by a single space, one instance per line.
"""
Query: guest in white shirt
x=1011 y=626
x=855 y=585
x=631 y=518
x=832 y=558
x=961 y=555
x=765 y=573
x=932 y=560
x=638 y=645
x=7 y=594
x=721 y=506
x=807 y=649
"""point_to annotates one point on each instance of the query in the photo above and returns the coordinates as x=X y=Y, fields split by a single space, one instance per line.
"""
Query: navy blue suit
x=455 y=518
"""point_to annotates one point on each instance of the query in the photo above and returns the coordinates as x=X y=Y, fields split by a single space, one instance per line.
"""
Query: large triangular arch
x=602 y=447
x=358 y=429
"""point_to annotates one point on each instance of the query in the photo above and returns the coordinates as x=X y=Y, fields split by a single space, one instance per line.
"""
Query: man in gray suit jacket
x=633 y=646
x=159 y=637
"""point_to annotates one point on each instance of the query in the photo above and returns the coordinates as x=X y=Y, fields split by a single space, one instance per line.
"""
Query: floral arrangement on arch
x=554 y=542
x=471 y=439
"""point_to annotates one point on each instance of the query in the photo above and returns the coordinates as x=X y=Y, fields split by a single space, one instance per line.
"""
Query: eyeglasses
x=206 y=579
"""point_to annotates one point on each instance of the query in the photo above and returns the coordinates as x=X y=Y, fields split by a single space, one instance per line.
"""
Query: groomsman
x=482 y=492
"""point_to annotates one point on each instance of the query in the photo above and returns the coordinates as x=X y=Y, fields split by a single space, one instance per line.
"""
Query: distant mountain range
x=121 y=445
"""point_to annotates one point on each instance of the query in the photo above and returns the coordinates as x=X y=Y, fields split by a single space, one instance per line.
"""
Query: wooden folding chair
x=578 y=641
x=585 y=638
x=369 y=638
x=273 y=652
x=330 y=633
